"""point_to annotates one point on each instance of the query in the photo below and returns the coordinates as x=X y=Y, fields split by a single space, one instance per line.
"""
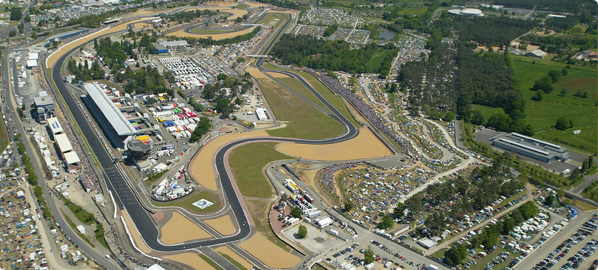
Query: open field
x=333 y=99
x=543 y=114
x=187 y=202
x=223 y=224
x=235 y=13
x=191 y=259
x=374 y=63
x=202 y=165
x=241 y=6
x=255 y=4
x=247 y=163
x=3 y=135
x=413 y=10
x=366 y=145
x=305 y=121
x=179 y=229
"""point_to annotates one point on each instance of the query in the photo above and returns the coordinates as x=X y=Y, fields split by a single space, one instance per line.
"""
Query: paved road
x=125 y=197
x=66 y=229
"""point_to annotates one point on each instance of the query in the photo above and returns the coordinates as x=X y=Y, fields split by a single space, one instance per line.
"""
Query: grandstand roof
x=71 y=158
x=55 y=125
x=117 y=120
x=63 y=143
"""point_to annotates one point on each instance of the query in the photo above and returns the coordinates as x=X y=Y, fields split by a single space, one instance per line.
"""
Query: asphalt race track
x=125 y=197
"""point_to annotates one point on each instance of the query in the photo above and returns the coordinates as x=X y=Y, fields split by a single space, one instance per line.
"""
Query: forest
x=334 y=55
x=187 y=16
x=486 y=30
x=487 y=79
x=552 y=5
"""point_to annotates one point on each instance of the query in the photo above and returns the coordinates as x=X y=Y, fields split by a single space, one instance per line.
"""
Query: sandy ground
x=256 y=73
x=202 y=166
x=179 y=229
x=223 y=224
x=134 y=233
x=278 y=75
x=191 y=259
x=227 y=251
x=283 y=11
x=182 y=33
x=255 y=4
x=221 y=3
x=365 y=145
x=269 y=253
x=67 y=47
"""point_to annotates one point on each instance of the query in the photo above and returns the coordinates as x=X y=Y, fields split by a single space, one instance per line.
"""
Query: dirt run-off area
x=179 y=229
x=223 y=225
x=269 y=253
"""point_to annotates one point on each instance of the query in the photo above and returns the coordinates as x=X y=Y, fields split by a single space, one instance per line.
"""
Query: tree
x=563 y=124
x=544 y=84
x=538 y=96
x=296 y=212
x=393 y=87
x=240 y=60
x=369 y=256
x=565 y=72
x=455 y=255
x=34 y=35
x=386 y=223
x=302 y=233
x=563 y=92
x=555 y=75
x=477 y=118
x=348 y=206
x=398 y=210
x=12 y=33
x=15 y=14
x=500 y=121
x=414 y=203
x=549 y=200
x=449 y=116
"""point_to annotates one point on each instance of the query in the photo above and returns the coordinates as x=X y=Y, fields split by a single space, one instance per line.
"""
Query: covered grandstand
x=114 y=124
x=531 y=147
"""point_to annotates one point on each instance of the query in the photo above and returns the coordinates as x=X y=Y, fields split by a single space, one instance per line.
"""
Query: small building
x=427 y=243
x=160 y=48
x=324 y=222
x=20 y=194
x=537 y=53
x=81 y=229
x=55 y=126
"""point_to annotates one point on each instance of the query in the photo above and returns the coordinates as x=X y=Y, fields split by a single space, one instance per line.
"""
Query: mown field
x=3 y=135
x=247 y=162
x=543 y=114
x=304 y=121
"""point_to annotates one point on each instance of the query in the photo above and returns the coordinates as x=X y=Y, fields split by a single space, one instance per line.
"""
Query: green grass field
x=374 y=63
x=241 y=6
x=413 y=10
x=333 y=99
x=543 y=114
x=3 y=135
x=187 y=202
x=198 y=30
x=247 y=163
x=270 y=17
x=305 y=121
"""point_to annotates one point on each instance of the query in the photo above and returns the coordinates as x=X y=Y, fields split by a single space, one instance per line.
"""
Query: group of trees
x=552 y=5
x=94 y=20
x=145 y=80
x=337 y=55
x=203 y=126
x=562 y=123
x=330 y=30
x=187 y=16
x=84 y=72
x=545 y=83
x=455 y=255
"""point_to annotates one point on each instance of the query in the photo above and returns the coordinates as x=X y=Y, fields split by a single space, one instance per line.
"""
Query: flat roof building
x=530 y=147
x=173 y=43
x=44 y=106
x=71 y=158
x=160 y=48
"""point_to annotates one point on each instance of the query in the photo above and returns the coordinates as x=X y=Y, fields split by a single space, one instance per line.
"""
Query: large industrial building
x=44 y=106
x=530 y=147
x=64 y=145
